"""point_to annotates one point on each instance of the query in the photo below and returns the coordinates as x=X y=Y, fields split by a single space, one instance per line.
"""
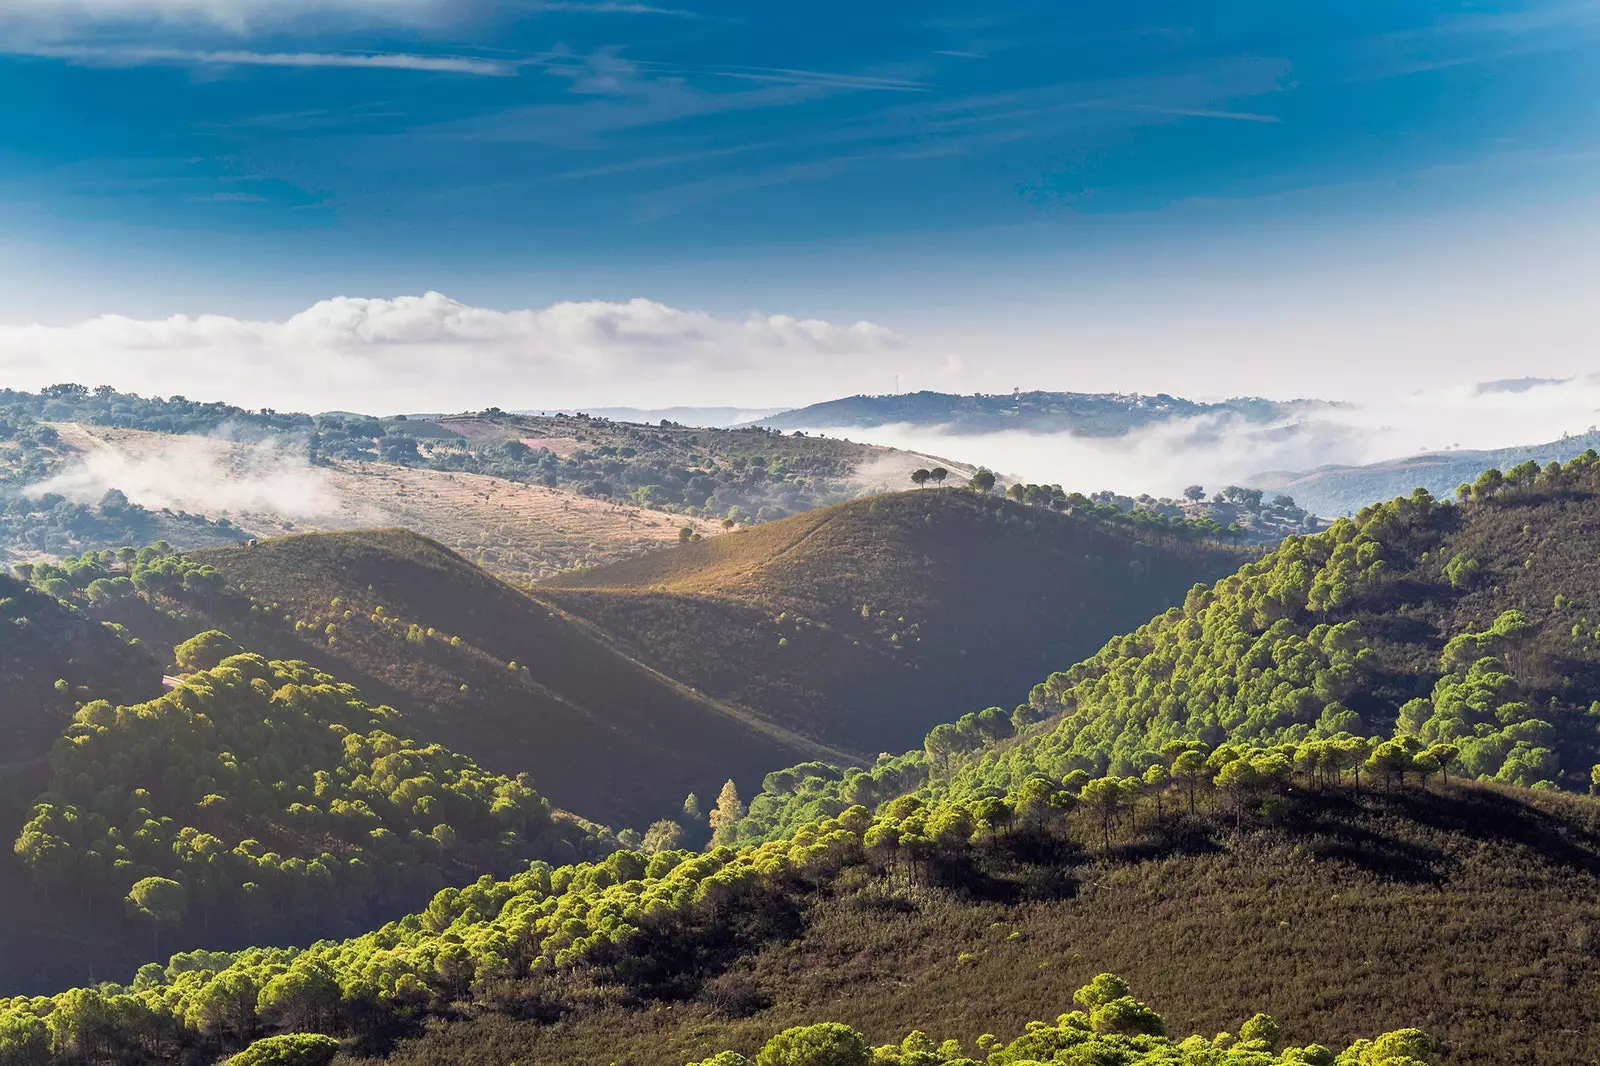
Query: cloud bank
x=1214 y=451
x=430 y=352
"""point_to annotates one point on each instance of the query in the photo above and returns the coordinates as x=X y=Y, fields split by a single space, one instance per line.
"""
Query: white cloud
x=431 y=352
x=125 y=56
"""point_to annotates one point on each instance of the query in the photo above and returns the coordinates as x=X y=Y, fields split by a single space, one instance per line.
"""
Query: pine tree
x=726 y=814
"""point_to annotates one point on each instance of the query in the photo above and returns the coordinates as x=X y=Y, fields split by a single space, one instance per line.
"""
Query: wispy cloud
x=127 y=56
x=829 y=79
x=230 y=198
x=613 y=7
x=1184 y=112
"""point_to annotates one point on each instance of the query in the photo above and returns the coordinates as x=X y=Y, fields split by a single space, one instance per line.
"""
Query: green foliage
x=290 y=1049
x=265 y=792
x=206 y=650
x=1114 y=1027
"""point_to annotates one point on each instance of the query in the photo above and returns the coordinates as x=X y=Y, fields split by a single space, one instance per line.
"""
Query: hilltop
x=864 y=624
x=472 y=663
x=1343 y=490
x=526 y=496
x=1084 y=413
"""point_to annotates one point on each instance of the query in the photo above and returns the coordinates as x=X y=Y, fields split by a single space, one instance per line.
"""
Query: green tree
x=938 y=474
x=205 y=650
x=159 y=899
x=919 y=477
x=725 y=816
x=1194 y=493
x=1188 y=770
x=1105 y=797
x=825 y=1044
x=663 y=835
x=983 y=481
x=289 y=1049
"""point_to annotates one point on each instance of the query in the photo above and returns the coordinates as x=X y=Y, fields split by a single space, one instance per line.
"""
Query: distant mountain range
x=1338 y=490
x=1083 y=413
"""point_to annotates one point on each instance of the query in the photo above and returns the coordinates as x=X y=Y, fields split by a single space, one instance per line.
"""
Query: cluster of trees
x=266 y=793
x=1108 y=1026
x=638 y=917
x=105 y=406
x=111 y=574
x=50 y=523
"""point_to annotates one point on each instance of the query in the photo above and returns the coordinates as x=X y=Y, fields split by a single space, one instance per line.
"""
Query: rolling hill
x=864 y=624
x=477 y=665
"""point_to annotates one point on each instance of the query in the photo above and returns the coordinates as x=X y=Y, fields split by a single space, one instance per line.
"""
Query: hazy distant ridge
x=1083 y=413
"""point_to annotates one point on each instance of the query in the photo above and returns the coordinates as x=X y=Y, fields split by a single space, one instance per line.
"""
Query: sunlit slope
x=1475 y=624
x=477 y=665
x=866 y=623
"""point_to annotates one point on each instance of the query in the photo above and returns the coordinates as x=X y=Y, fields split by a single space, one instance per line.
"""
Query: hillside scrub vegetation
x=863 y=625
x=1103 y=863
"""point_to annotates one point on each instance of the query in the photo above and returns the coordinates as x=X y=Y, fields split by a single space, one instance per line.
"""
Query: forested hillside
x=1473 y=624
x=1258 y=807
x=864 y=624
x=265 y=798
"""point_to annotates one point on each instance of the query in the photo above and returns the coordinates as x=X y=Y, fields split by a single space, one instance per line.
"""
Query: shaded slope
x=44 y=641
x=864 y=624
x=413 y=624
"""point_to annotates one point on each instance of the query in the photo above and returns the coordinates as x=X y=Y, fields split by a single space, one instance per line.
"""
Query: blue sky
x=1102 y=191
